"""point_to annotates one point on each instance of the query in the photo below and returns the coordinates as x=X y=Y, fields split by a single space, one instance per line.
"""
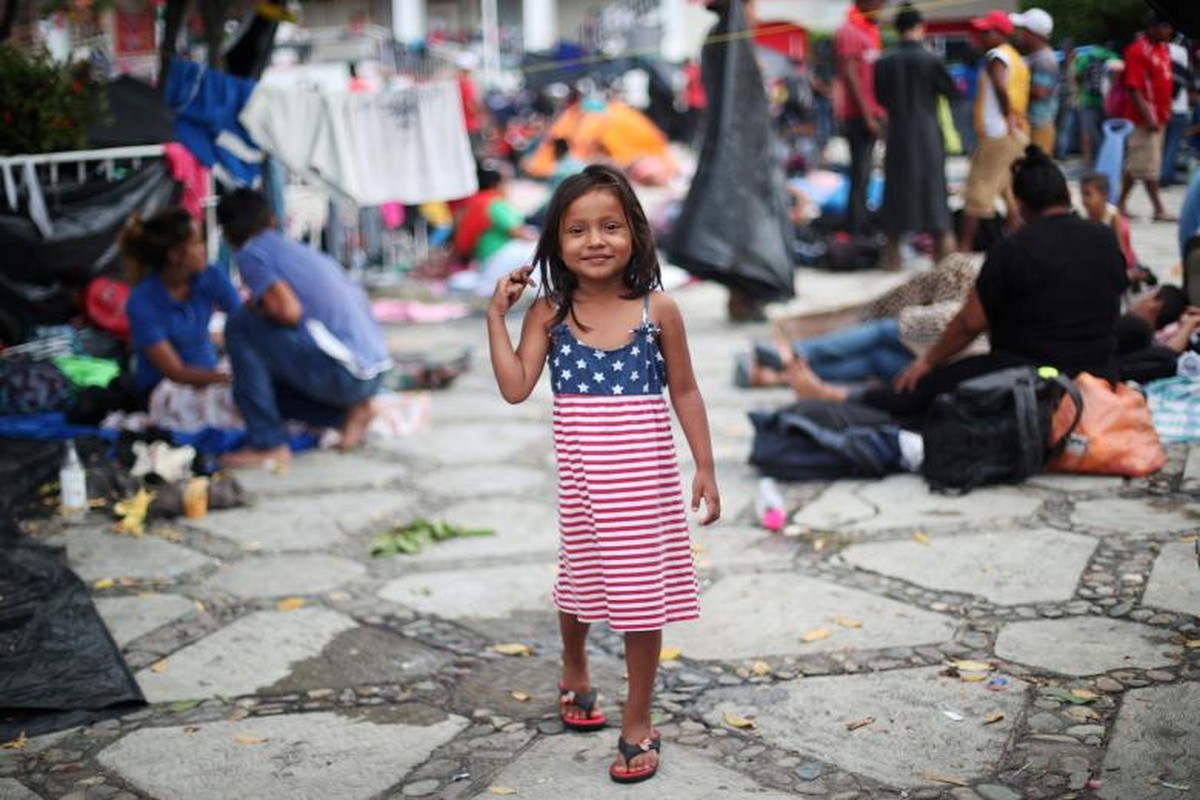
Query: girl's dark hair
x=642 y=274
x=1096 y=179
x=1038 y=182
x=145 y=244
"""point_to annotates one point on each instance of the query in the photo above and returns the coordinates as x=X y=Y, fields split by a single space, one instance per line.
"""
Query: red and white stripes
x=624 y=552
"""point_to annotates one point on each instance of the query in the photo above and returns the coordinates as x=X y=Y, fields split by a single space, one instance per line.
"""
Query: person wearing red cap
x=857 y=46
x=1148 y=87
x=1000 y=124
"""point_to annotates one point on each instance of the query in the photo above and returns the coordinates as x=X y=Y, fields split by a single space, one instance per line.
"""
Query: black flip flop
x=585 y=702
x=631 y=751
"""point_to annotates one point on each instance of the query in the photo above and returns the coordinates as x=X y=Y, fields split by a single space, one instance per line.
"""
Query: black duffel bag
x=995 y=428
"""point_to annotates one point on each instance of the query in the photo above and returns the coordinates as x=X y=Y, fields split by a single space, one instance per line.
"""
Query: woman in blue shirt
x=170 y=307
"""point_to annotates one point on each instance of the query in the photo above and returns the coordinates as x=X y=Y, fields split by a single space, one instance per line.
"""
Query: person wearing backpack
x=1148 y=83
x=1049 y=295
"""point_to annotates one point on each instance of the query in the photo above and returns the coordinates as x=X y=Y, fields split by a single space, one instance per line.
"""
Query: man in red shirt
x=856 y=48
x=1148 y=87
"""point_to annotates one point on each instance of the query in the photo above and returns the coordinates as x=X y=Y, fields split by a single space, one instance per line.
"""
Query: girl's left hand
x=704 y=487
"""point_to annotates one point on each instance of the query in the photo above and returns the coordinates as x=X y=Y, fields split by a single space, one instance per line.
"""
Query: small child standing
x=613 y=344
x=1093 y=190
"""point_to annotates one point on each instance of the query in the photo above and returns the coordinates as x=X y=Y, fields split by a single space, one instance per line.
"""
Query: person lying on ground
x=1158 y=326
x=305 y=347
x=175 y=292
x=895 y=327
x=1049 y=295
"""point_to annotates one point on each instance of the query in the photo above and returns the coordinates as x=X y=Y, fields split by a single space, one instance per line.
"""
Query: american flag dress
x=624 y=553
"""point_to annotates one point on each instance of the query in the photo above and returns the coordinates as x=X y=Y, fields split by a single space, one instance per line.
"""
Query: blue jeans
x=868 y=350
x=280 y=373
x=1090 y=121
x=1171 y=141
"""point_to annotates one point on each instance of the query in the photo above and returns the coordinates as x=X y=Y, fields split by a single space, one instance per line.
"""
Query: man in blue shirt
x=305 y=346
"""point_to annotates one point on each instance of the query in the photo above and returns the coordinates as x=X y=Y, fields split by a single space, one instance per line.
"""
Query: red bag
x=1115 y=435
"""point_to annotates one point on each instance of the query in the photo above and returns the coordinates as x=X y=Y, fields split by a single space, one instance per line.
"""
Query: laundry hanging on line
x=206 y=103
x=397 y=145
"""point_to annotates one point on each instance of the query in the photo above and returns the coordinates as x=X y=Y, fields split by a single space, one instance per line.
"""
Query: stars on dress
x=638 y=368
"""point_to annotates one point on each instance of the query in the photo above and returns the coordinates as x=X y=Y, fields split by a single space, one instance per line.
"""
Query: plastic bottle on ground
x=73 y=498
x=768 y=508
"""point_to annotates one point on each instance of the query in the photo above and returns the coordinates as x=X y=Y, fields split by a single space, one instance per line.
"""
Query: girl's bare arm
x=517 y=371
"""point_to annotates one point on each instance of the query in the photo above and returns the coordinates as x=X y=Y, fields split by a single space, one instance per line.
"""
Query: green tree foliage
x=45 y=106
x=1093 y=21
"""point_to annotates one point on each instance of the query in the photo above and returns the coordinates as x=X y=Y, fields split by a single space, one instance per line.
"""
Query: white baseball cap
x=1035 y=20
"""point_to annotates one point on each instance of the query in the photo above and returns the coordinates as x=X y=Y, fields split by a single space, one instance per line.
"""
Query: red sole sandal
x=585 y=702
x=631 y=751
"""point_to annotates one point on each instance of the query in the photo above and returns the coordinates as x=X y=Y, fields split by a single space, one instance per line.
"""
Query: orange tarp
x=618 y=132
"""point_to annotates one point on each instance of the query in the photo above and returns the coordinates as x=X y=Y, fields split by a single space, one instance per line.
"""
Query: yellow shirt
x=989 y=120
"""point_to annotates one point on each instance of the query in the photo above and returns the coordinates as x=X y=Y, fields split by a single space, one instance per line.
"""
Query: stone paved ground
x=1080 y=595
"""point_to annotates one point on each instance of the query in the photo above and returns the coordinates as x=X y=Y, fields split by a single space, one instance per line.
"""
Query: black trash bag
x=59 y=667
x=26 y=465
x=734 y=227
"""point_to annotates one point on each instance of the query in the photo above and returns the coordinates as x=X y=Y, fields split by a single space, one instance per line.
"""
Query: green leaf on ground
x=412 y=537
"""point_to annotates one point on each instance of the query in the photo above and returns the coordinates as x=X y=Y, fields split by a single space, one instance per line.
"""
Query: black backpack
x=994 y=429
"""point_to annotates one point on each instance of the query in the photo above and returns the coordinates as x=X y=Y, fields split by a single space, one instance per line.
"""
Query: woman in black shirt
x=1049 y=295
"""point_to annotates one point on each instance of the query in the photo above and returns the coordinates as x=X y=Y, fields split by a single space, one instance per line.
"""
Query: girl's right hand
x=509 y=289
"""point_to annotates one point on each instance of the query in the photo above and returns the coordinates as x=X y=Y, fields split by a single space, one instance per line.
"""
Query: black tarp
x=136 y=115
x=59 y=667
x=733 y=227
x=39 y=275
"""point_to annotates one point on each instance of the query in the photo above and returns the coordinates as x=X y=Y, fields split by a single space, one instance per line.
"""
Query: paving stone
x=1191 y=472
x=725 y=546
x=128 y=618
x=990 y=791
x=539 y=774
x=461 y=444
x=358 y=657
x=301 y=756
x=287 y=574
x=522 y=528
x=1076 y=484
x=784 y=606
x=491 y=686
x=246 y=655
x=910 y=734
x=481 y=593
x=904 y=501
x=96 y=554
x=318 y=471
x=1156 y=738
x=1132 y=516
x=477 y=480
x=1024 y=566
x=320 y=521
x=12 y=789
x=1173 y=582
x=1084 y=646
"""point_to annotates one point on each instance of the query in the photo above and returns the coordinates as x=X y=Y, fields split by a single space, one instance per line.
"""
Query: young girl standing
x=613 y=344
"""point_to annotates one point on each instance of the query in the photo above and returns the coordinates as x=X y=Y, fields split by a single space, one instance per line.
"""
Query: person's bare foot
x=354 y=428
x=647 y=759
x=273 y=458
x=808 y=386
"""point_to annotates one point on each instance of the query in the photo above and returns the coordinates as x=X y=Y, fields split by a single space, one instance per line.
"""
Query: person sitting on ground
x=305 y=347
x=1049 y=295
x=174 y=295
x=1093 y=191
x=492 y=233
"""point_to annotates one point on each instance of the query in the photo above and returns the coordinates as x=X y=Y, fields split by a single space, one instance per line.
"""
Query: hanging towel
x=206 y=103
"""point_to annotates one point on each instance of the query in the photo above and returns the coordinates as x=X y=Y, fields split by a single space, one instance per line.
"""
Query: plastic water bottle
x=73 y=498
x=769 y=506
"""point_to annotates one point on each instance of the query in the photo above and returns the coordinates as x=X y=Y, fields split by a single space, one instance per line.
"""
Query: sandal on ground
x=631 y=751
x=585 y=702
